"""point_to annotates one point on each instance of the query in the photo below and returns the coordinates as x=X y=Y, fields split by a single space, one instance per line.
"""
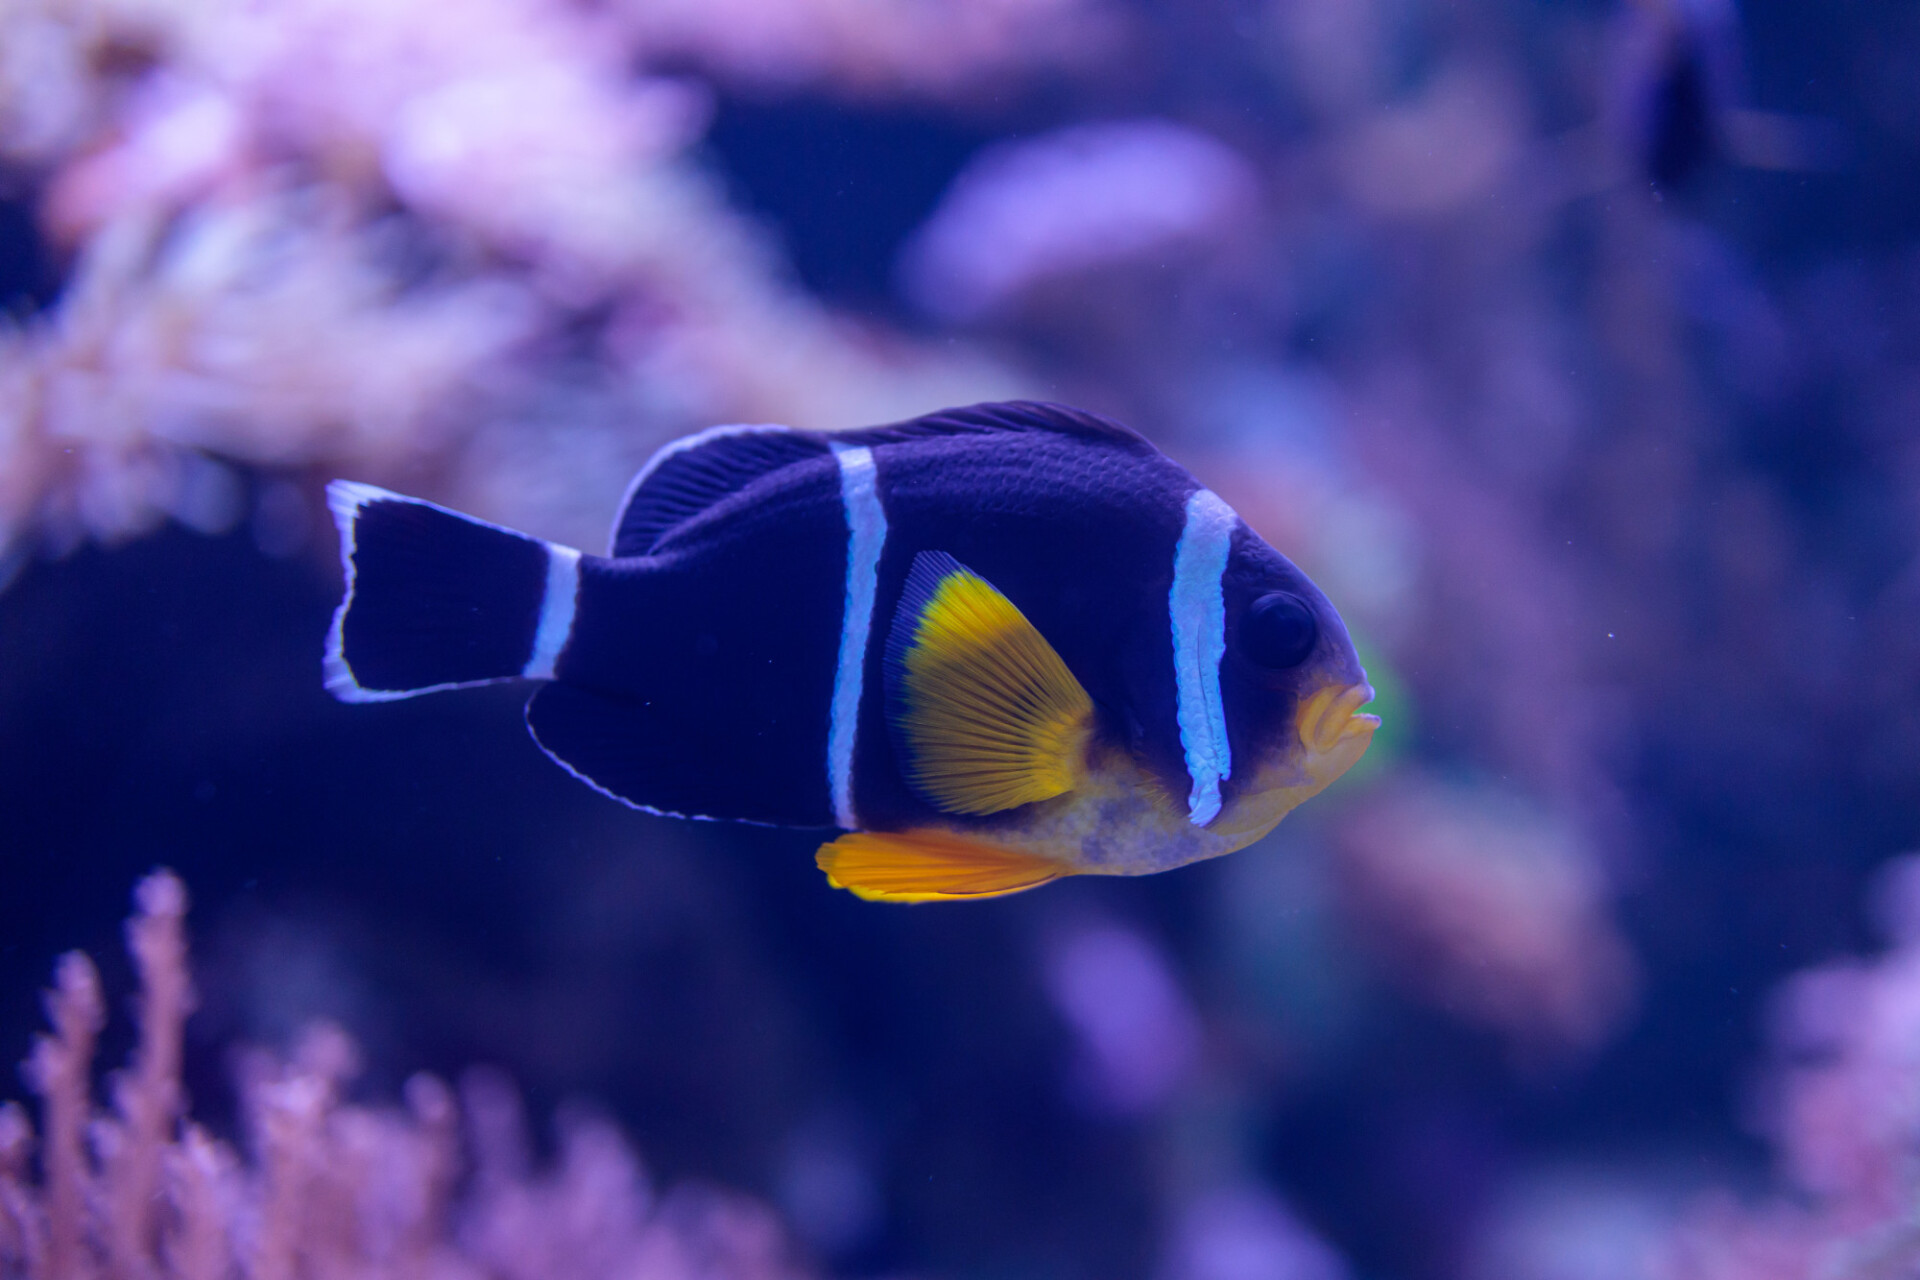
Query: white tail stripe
x=1197 y=607
x=866 y=538
x=556 y=611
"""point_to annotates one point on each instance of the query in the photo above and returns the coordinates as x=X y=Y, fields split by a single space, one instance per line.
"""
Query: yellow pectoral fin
x=929 y=866
x=989 y=715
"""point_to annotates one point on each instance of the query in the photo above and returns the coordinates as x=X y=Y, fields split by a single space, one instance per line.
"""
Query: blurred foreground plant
x=328 y=1190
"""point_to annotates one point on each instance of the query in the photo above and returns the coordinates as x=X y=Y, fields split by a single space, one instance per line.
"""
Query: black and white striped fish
x=994 y=645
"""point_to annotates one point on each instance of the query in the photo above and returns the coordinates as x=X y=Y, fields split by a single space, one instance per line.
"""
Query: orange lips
x=1332 y=723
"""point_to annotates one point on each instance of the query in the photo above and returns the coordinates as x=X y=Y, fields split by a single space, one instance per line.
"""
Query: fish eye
x=1279 y=631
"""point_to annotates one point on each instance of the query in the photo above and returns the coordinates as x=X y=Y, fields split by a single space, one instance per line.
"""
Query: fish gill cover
x=1585 y=390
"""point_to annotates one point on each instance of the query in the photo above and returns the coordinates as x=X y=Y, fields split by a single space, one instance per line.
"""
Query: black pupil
x=1279 y=631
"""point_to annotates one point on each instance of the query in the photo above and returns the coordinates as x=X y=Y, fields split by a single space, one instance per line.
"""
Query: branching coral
x=331 y=1190
x=361 y=237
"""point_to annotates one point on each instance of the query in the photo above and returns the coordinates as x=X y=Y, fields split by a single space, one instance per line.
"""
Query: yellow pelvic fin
x=990 y=716
x=929 y=866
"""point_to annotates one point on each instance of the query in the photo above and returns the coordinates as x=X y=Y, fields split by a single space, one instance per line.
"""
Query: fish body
x=995 y=645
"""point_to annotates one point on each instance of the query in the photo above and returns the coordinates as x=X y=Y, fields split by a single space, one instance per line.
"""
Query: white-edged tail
x=439 y=600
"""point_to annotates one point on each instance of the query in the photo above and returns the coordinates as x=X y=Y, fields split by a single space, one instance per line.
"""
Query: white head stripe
x=866 y=537
x=556 y=611
x=1197 y=608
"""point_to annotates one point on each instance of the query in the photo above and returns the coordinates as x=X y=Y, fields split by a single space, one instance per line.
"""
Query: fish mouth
x=1333 y=728
x=1334 y=734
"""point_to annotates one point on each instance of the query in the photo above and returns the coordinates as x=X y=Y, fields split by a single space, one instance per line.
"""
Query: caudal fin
x=437 y=600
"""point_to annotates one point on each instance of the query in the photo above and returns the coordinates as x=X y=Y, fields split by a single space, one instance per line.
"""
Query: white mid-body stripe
x=866 y=538
x=556 y=611
x=1197 y=607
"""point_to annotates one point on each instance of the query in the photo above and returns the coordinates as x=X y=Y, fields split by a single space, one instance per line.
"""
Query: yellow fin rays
x=991 y=718
x=929 y=866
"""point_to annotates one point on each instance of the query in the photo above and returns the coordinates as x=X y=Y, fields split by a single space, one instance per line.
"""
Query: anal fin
x=930 y=866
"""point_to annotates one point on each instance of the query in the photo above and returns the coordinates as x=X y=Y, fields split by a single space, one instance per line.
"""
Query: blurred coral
x=1840 y=1101
x=1432 y=157
x=1583 y=1220
x=247 y=333
x=354 y=237
x=332 y=1190
x=1490 y=909
x=1245 y=1232
x=1138 y=1034
x=1069 y=201
x=874 y=47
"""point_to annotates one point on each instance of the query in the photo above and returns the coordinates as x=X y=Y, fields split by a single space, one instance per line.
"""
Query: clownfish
x=993 y=645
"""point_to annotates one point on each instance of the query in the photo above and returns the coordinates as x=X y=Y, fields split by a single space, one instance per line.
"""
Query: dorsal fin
x=691 y=474
x=988 y=716
x=1007 y=416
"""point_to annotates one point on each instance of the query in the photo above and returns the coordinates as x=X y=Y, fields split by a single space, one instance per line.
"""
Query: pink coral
x=1071 y=200
x=873 y=48
x=1841 y=1101
x=349 y=236
x=332 y=1190
x=1491 y=909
